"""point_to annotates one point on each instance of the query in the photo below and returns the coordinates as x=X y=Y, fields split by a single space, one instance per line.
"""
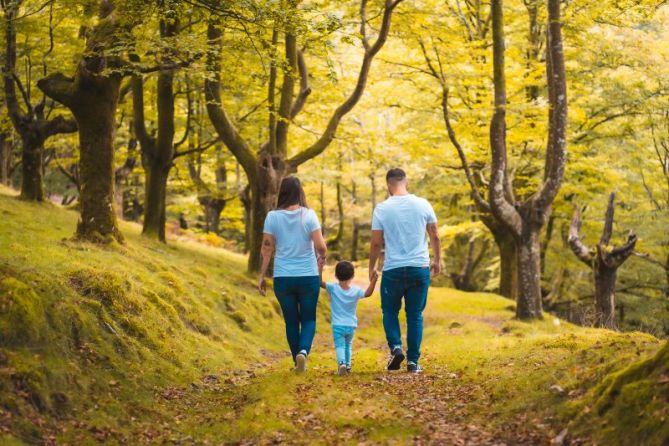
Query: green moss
x=22 y=320
x=107 y=287
x=241 y=320
x=633 y=404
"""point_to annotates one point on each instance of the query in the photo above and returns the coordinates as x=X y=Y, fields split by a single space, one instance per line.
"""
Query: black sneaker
x=301 y=362
x=412 y=367
x=348 y=369
x=396 y=359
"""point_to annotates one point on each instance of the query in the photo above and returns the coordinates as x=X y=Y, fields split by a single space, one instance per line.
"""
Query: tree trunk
x=334 y=242
x=154 y=201
x=529 y=274
x=508 y=264
x=245 y=198
x=355 y=233
x=666 y=270
x=5 y=158
x=605 y=292
x=32 y=187
x=95 y=113
x=322 y=200
x=93 y=96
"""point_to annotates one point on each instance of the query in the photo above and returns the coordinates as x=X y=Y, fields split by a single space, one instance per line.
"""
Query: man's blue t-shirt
x=344 y=304
x=295 y=256
x=403 y=220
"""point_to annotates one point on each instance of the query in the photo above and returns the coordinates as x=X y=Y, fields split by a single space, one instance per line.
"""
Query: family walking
x=292 y=233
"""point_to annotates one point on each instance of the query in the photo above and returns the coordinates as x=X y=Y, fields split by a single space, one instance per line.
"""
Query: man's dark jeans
x=410 y=283
x=298 y=297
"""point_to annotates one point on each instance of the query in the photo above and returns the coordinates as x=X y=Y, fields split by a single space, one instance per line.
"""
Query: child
x=344 y=297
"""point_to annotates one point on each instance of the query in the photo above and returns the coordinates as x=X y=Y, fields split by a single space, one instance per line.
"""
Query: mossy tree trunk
x=604 y=261
x=92 y=96
x=30 y=123
x=270 y=164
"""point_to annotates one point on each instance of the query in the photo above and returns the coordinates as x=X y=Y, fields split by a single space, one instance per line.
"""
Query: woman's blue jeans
x=298 y=297
x=411 y=284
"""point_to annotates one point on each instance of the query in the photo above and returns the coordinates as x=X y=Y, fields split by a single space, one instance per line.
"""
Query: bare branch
x=583 y=253
x=329 y=134
x=305 y=90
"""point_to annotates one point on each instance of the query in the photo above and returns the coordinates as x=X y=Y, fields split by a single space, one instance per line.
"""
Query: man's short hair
x=344 y=270
x=395 y=175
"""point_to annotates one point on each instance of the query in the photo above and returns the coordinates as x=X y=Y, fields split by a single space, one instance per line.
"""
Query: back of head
x=395 y=176
x=291 y=193
x=344 y=270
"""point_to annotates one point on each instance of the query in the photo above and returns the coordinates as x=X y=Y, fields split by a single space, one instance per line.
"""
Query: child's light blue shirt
x=344 y=303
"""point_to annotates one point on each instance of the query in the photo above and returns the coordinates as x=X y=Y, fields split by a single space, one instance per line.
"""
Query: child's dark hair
x=344 y=270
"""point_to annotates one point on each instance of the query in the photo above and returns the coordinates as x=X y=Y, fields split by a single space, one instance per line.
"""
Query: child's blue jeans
x=343 y=337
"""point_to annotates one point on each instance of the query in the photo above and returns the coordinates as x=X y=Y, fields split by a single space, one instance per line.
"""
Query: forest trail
x=269 y=404
x=148 y=343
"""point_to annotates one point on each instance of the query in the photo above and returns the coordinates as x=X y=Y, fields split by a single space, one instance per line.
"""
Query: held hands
x=435 y=267
x=320 y=261
x=373 y=276
x=262 y=285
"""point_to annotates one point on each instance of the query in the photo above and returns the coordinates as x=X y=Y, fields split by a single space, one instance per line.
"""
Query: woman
x=293 y=231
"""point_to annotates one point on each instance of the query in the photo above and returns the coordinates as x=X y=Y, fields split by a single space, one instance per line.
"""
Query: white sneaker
x=301 y=362
x=342 y=370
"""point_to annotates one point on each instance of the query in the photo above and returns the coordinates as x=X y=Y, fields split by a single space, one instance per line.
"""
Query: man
x=400 y=223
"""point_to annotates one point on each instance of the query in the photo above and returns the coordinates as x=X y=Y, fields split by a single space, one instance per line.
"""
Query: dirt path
x=271 y=405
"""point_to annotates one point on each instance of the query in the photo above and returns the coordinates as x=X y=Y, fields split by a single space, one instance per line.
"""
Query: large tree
x=267 y=166
x=159 y=151
x=92 y=96
x=31 y=120
x=526 y=218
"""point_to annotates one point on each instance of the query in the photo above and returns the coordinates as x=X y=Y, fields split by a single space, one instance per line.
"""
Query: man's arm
x=372 y=284
x=268 y=244
x=375 y=247
x=435 y=244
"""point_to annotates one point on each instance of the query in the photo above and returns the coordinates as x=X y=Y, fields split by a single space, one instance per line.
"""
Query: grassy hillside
x=84 y=327
x=153 y=343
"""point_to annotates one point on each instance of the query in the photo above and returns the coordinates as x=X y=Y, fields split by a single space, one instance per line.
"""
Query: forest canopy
x=185 y=115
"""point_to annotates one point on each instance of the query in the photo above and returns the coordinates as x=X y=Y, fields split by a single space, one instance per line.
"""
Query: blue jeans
x=410 y=283
x=343 y=338
x=298 y=297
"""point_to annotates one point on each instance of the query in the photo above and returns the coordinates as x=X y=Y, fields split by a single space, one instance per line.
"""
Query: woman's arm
x=319 y=246
x=267 y=249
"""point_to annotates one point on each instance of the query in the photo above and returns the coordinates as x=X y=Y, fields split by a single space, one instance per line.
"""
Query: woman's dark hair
x=291 y=193
x=344 y=270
